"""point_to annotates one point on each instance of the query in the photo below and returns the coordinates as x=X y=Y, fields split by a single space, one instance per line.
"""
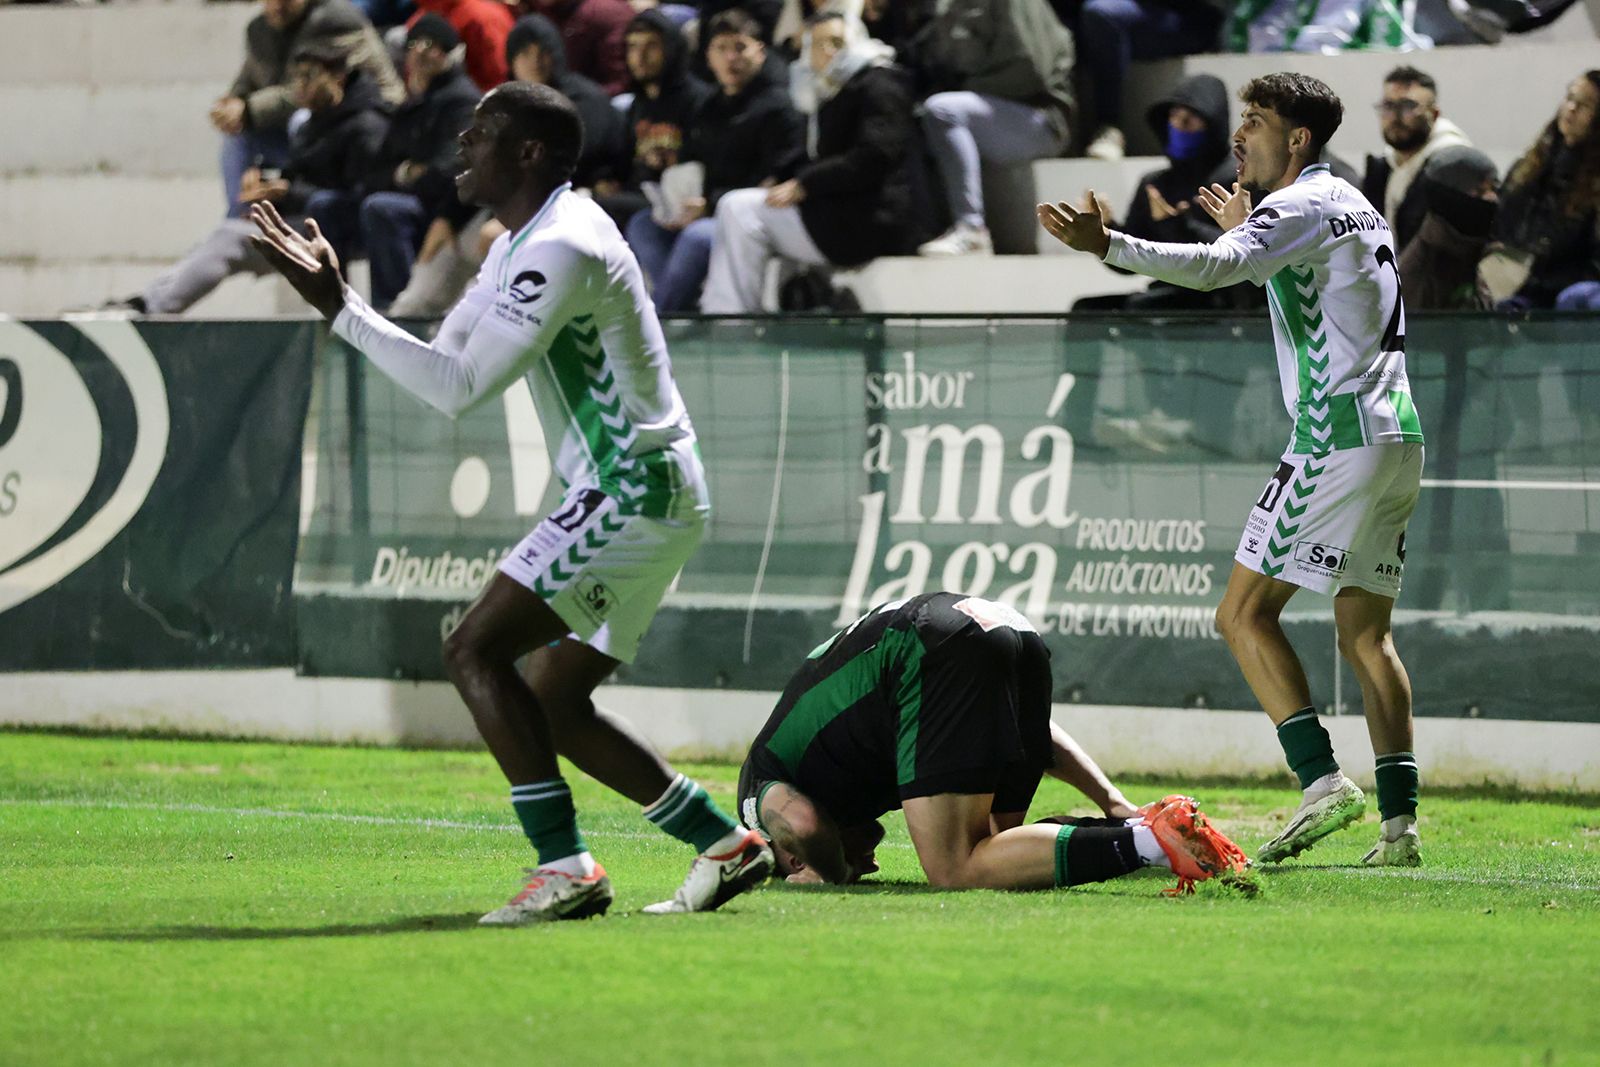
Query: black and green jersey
x=941 y=693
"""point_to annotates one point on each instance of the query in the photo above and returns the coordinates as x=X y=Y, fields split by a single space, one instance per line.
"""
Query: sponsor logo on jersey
x=594 y=598
x=527 y=287
x=1325 y=558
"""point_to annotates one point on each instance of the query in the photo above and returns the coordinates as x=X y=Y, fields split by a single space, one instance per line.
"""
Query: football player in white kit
x=560 y=303
x=1333 y=516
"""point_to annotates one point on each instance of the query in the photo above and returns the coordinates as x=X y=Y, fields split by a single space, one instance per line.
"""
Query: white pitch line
x=450 y=824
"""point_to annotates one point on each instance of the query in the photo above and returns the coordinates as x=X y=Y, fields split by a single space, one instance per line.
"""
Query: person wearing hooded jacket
x=333 y=150
x=849 y=200
x=745 y=134
x=1192 y=123
x=666 y=98
x=1457 y=193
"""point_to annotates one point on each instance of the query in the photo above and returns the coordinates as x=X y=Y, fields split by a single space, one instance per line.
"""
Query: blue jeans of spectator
x=1579 y=296
x=675 y=261
x=966 y=130
x=1114 y=33
x=392 y=228
x=239 y=152
x=338 y=215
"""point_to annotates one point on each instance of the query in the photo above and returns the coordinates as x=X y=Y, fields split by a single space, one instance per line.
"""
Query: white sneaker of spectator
x=1108 y=144
x=962 y=239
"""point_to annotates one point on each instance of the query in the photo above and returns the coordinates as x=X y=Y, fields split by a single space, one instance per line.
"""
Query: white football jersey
x=562 y=304
x=1328 y=261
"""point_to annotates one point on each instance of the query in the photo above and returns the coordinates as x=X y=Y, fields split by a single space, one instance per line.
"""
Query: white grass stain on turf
x=508 y=828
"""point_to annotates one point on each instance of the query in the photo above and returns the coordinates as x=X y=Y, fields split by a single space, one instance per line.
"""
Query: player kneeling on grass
x=940 y=705
x=561 y=304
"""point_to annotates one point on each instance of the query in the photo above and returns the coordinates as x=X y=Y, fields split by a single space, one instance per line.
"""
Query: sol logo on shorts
x=596 y=599
x=1321 y=557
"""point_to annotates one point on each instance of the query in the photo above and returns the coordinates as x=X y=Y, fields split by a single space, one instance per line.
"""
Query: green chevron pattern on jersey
x=1323 y=423
x=1295 y=501
x=606 y=523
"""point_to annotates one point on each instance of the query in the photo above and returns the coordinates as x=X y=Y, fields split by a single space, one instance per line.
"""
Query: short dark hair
x=540 y=113
x=1406 y=75
x=736 y=21
x=1300 y=98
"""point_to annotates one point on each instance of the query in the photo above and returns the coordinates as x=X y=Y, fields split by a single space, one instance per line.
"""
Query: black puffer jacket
x=858 y=187
x=745 y=139
x=335 y=149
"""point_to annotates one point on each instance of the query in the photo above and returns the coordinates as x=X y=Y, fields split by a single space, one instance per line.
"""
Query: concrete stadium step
x=1501 y=95
x=67 y=217
x=125 y=129
x=46 y=288
x=982 y=284
x=117 y=45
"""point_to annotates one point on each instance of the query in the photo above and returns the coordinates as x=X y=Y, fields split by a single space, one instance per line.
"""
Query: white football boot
x=1399 y=845
x=1331 y=803
x=550 y=895
x=716 y=878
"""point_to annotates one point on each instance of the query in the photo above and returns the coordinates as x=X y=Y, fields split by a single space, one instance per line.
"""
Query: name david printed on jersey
x=512 y=305
x=1357 y=222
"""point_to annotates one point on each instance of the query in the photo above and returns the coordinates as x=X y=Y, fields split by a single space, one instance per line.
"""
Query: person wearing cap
x=482 y=27
x=1458 y=190
x=413 y=181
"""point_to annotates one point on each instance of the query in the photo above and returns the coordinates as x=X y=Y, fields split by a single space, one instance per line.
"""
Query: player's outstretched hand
x=1081 y=228
x=307 y=261
x=1229 y=209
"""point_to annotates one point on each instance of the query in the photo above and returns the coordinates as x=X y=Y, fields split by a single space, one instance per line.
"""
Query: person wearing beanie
x=1458 y=190
x=482 y=26
x=535 y=52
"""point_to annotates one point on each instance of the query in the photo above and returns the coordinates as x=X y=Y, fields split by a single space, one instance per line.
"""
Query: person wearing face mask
x=1458 y=193
x=1192 y=123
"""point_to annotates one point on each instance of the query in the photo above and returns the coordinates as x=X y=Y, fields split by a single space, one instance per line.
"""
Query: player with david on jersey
x=1333 y=516
x=560 y=304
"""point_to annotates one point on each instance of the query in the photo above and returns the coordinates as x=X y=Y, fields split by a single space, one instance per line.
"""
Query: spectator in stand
x=536 y=52
x=413 y=182
x=1003 y=74
x=849 y=199
x=1114 y=33
x=1413 y=129
x=483 y=26
x=766 y=14
x=254 y=114
x=1458 y=191
x=665 y=99
x=1550 y=207
x=747 y=133
x=592 y=31
x=456 y=242
x=1194 y=125
x=894 y=22
x=330 y=153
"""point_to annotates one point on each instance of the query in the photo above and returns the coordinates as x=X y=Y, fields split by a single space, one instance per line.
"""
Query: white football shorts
x=602 y=570
x=1336 y=520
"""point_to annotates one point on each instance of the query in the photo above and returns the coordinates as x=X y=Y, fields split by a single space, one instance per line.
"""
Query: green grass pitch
x=166 y=902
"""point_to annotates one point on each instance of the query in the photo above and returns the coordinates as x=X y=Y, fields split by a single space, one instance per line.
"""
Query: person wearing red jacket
x=483 y=26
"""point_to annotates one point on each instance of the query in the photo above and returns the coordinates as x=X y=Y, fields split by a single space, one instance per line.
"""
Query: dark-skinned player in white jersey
x=1333 y=517
x=560 y=303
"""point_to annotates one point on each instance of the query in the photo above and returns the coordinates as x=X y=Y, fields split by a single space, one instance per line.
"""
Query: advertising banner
x=149 y=492
x=1096 y=473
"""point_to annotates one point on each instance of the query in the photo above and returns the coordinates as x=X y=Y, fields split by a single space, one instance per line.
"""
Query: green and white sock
x=1397 y=784
x=686 y=812
x=551 y=823
x=1307 y=746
